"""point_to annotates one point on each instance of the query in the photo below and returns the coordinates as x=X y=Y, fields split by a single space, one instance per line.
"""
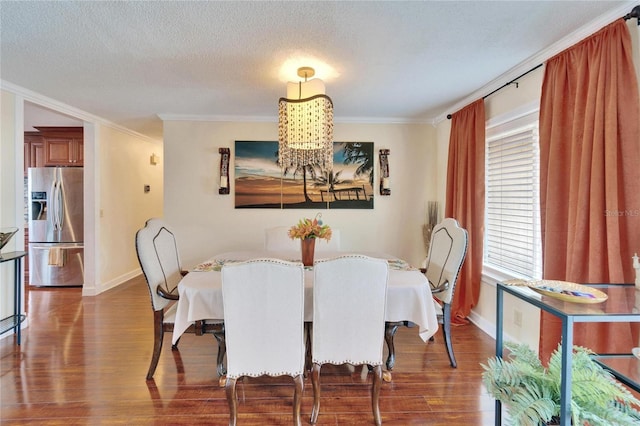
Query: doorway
x=37 y=117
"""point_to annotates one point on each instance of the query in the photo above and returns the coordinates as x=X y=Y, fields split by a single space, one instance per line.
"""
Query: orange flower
x=308 y=228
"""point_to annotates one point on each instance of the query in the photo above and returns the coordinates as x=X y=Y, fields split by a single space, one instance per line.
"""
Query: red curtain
x=590 y=176
x=465 y=200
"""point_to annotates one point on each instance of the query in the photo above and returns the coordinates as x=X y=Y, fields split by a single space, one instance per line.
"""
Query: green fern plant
x=531 y=393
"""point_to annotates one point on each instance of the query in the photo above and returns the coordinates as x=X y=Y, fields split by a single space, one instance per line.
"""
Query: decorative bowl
x=563 y=290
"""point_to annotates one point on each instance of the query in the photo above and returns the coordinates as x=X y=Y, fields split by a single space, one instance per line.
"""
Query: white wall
x=207 y=223
x=8 y=196
x=123 y=206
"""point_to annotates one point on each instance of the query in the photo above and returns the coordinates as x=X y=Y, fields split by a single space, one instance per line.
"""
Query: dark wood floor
x=84 y=361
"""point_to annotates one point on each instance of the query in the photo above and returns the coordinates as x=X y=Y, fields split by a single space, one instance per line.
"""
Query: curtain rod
x=635 y=13
x=507 y=84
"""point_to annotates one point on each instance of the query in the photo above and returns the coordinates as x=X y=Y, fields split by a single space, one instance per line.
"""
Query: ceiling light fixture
x=305 y=124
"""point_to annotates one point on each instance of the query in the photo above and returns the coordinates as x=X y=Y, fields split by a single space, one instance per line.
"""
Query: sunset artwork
x=261 y=183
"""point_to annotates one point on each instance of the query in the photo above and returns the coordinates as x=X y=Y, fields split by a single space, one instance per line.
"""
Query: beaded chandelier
x=305 y=124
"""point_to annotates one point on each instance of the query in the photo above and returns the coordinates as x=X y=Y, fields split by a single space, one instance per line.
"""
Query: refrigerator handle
x=60 y=206
x=52 y=205
x=55 y=205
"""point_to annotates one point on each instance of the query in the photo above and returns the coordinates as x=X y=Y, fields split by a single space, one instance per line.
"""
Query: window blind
x=512 y=206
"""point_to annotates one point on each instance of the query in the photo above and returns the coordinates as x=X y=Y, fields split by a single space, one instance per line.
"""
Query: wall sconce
x=225 y=186
x=385 y=189
x=154 y=159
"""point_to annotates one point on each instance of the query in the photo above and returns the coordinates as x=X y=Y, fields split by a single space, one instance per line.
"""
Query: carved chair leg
x=390 y=329
x=232 y=400
x=222 y=350
x=315 y=383
x=446 y=332
x=158 y=335
x=297 y=398
x=375 y=394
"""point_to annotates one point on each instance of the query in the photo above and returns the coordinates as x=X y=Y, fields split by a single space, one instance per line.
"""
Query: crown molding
x=218 y=118
x=274 y=119
x=541 y=57
x=381 y=120
x=61 y=107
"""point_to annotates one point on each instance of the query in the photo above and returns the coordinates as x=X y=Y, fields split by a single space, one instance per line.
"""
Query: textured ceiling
x=399 y=61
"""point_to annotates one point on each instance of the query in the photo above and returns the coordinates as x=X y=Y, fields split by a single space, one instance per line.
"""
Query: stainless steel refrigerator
x=56 y=226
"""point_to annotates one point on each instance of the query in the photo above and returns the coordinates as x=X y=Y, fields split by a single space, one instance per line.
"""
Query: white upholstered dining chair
x=333 y=245
x=447 y=251
x=157 y=252
x=349 y=302
x=277 y=239
x=264 y=315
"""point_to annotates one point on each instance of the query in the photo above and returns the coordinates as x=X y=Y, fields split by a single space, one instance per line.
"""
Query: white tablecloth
x=408 y=294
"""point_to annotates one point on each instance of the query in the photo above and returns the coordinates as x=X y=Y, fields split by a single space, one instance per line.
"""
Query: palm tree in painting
x=361 y=154
x=303 y=170
x=300 y=169
x=330 y=180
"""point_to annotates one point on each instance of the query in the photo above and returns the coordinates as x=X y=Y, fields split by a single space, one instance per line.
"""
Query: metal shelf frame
x=14 y=321
x=615 y=309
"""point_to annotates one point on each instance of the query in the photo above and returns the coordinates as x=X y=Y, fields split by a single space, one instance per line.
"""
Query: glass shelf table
x=625 y=367
x=622 y=305
x=14 y=321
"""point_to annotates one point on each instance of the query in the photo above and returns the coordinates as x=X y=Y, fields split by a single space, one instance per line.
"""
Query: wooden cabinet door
x=78 y=150
x=58 y=152
x=64 y=152
x=37 y=154
x=33 y=151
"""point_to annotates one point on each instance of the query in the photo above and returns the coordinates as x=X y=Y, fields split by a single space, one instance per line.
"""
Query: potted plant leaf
x=531 y=393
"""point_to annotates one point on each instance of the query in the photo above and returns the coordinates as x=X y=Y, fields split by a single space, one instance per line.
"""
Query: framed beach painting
x=261 y=183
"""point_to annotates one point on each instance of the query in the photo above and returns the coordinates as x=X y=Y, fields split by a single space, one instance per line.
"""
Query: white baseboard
x=488 y=327
x=108 y=285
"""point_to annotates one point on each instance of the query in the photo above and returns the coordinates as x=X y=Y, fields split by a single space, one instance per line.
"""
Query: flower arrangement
x=308 y=228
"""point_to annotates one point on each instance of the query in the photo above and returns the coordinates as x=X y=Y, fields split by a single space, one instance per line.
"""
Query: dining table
x=409 y=299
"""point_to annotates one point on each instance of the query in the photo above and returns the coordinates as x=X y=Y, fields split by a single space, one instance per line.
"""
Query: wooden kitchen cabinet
x=63 y=152
x=33 y=150
x=63 y=146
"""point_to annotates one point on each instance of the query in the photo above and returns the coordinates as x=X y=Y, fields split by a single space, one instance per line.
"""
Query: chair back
x=158 y=256
x=332 y=245
x=263 y=303
x=447 y=251
x=349 y=302
x=277 y=239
